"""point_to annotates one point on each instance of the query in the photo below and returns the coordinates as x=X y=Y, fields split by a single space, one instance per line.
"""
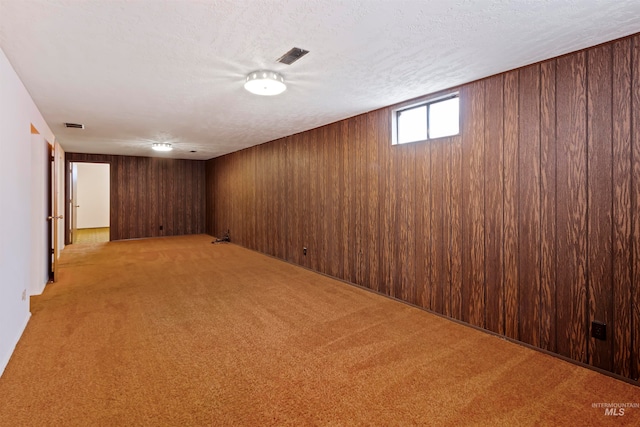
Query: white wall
x=17 y=113
x=93 y=195
x=39 y=213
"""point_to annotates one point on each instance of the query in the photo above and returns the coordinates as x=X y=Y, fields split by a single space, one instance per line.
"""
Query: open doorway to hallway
x=89 y=202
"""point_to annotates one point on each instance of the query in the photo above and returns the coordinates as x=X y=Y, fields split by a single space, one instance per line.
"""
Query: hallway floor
x=91 y=235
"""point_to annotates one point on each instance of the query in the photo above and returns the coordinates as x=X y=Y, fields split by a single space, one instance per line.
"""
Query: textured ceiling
x=139 y=71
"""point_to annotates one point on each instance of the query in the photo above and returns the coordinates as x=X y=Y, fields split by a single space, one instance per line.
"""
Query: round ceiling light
x=265 y=82
x=162 y=146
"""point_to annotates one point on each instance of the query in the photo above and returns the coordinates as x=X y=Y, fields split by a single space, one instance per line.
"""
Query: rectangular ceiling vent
x=292 y=56
x=74 y=125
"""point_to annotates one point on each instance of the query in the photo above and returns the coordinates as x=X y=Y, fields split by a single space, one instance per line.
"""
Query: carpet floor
x=177 y=331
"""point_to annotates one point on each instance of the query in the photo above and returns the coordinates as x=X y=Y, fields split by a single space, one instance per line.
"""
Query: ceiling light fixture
x=265 y=82
x=162 y=146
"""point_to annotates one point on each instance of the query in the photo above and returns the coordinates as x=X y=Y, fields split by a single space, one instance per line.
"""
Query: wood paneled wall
x=149 y=192
x=527 y=224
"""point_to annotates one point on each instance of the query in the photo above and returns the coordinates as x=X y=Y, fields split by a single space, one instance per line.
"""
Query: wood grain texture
x=635 y=209
x=375 y=127
x=621 y=240
x=338 y=209
x=281 y=201
x=494 y=198
x=316 y=211
x=405 y=172
x=600 y=201
x=358 y=158
x=423 y=229
x=439 y=227
x=147 y=193
x=548 y=253
x=388 y=215
x=473 y=261
x=210 y=188
x=510 y=204
x=455 y=227
x=528 y=189
x=303 y=194
x=524 y=224
x=572 y=206
x=324 y=212
x=346 y=146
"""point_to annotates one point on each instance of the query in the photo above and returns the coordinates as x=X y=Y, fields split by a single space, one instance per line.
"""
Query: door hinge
x=52 y=158
x=52 y=252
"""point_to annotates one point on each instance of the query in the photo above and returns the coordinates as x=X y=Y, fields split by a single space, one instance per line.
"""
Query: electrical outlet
x=599 y=330
x=24 y=295
x=304 y=251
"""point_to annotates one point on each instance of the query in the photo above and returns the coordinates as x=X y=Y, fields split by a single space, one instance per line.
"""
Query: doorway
x=43 y=233
x=89 y=202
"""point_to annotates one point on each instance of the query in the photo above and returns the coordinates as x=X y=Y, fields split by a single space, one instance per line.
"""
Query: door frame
x=82 y=158
x=54 y=194
x=51 y=189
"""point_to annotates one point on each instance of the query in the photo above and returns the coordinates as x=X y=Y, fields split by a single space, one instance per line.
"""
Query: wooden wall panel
x=473 y=261
x=621 y=243
x=494 y=194
x=303 y=194
x=346 y=145
x=600 y=201
x=454 y=267
x=572 y=206
x=439 y=228
x=363 y=242
x=171 y=193
x=291 y=202
x=405 y=236
x=117 y=198
x=358 y=172
x=251 y=196
x=422 y=225
x=548 y=253
x=510 y=204
x=263 y=184
x=528 y=189
x=324 y=185
x=143 y=197
x=314 y=198
x=376 y=124
x=388 y=193
x=335 y=233
x=525 y=224
x=635 y=209
x=210 y=188
x=280 y=229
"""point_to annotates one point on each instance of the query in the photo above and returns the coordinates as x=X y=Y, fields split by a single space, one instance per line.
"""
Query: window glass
x=412 y=124
x=429 y=120
x=444 y=118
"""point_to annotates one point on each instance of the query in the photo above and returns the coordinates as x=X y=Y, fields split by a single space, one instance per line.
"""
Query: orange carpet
x=177 y=331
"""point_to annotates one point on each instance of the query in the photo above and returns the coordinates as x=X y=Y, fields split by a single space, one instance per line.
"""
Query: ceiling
x=141 y=71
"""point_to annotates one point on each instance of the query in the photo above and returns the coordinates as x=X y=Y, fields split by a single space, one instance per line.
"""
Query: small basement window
x=427 y=120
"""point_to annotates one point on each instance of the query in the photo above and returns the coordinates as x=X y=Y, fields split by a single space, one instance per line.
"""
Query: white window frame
x=396 y=111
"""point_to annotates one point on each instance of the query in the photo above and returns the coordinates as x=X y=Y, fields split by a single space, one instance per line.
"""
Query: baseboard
x=5 y=359
x=40 y=289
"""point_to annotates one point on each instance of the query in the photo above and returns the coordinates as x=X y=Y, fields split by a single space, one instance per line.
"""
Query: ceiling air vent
x=74 y=125
x=292 y=56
